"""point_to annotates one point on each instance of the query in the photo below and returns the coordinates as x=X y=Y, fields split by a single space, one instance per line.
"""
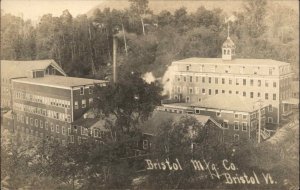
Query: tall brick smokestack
x=115 y=47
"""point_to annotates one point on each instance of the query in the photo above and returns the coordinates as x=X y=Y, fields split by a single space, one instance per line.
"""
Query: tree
x=255 y=14
x=131 y=100
x=140 y=9
x=184 y=139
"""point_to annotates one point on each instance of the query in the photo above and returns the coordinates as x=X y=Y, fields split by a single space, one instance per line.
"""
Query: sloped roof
x=241 y=62
x=62 y=81
x=16 y=69
x=228 y=102
x=159 y=118
x=228 y=43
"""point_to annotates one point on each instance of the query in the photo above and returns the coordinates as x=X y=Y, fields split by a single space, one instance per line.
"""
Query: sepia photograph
x=149 y=94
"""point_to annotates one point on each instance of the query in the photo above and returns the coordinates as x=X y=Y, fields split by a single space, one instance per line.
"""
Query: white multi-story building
x=265 y=80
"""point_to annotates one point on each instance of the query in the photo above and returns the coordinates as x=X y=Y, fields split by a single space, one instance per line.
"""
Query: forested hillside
x=82 y=45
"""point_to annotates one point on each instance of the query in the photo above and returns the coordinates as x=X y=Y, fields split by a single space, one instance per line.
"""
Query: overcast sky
x=33 y=9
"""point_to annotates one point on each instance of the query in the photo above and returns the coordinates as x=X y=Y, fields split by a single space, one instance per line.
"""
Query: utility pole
x=115 y=44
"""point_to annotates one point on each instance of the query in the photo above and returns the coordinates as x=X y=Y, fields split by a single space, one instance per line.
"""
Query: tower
x=228 y=47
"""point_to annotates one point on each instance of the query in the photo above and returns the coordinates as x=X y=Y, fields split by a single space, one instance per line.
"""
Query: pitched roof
x=16 y=69
x=228 y=43
x=228 y=102
x=159 y=118
x=60 y=81
x=242 y=62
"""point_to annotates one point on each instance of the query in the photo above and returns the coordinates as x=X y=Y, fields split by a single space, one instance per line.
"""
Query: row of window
x=42 y=112
x=42 y=99
x=210 y=92
x=52 y=138
x=216 y=80
x=82 y=90
x=213 y=68
x=58 y=129
x=236 y=125
x=83 y=103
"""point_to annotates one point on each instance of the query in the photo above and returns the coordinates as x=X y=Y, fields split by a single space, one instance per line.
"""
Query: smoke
x=148 y=77
x=167 y=80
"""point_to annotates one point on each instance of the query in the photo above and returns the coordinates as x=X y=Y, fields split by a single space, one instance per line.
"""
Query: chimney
x=115 y=47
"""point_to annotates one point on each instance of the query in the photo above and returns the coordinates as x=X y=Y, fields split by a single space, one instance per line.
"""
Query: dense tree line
x=147 y=41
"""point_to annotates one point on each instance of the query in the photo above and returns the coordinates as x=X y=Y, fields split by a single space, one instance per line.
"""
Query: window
x=274 y=96
x=76 y=104
x=91 y=90
x=244 y=82
x=236 y=125
x=216 y=91
x=46 y=125
x=82 y=90
x=267 y=83
x=225 y=124
x=230 y=92
x=71 y=139
x=83 y=102
x=244 y=93
x=191 y=79
x=197 y=79
x=216 y=80
x=270 y=119
x=274 y=84
x=90 y=101
x=236 y=116
x=270 y=71
x=52 y=127
x=251 y=82
x=63 y=130
x=259 y=83
x=187 y=99
x=96 y=133
x=237 y=92
x=209 y=91
x=191 y=90
x=84 y=131
x=244 y=127
x=251 y=94
x=230 y=81
x=41 y=124
x=223 y=81
x=57 y=128
x=203 y=90
x=223 y=91
x=197 y=111
x=27 y=120
x=145 y=144
x=203 y=79
x=209 y=79
x=187 y=68
x=178 y=89
x=237 y=81
x=36 y=123
x=236 y=137
x=266 y=96
x=270 y=108
x=178 y=78
x=258 y=94
x=79 y=140
x=199 y=100
x=184 y=79
x=218 y=114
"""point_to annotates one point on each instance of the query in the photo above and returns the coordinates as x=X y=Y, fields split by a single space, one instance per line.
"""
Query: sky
x=34 y=9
